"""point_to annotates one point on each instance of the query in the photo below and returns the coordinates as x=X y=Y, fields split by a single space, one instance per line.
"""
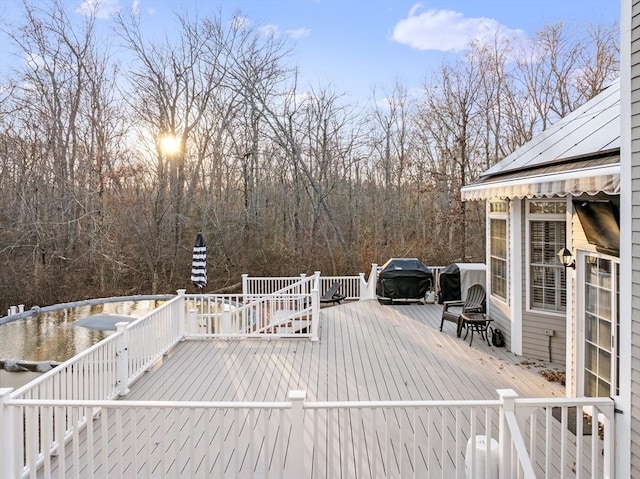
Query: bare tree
x=62 y=104
x=563 y=69
x=451 y=121
x=173 y=87
x=282 y=178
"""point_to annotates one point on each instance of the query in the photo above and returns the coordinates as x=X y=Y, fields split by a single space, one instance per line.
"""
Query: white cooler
x=481 y=458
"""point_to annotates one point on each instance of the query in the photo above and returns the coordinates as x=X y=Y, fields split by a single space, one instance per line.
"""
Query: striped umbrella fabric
x=199 y=266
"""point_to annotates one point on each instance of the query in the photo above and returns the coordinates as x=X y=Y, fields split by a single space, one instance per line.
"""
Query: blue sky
x=355 y=45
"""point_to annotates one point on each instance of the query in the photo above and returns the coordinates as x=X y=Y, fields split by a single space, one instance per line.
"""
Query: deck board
x=366 y=351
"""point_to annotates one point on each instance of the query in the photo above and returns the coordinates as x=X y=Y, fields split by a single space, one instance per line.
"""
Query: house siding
x=499 y=313
x=537 y=345
x=635 y=232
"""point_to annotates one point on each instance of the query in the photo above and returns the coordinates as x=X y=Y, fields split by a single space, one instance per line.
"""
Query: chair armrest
x=474 y=309
x=449 y=304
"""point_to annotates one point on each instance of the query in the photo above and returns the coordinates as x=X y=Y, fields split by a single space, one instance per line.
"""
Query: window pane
x=601 y=298
x=498 y=278
x=498 y=206
x=548 y=207
x=604 y=303
x=604 y=273
x=590 y=330
x=604 y=388
x=590 y=357
x=604 y=334
x=590 y=383
x=604 y=364
x=498 y=252
x=546 y=274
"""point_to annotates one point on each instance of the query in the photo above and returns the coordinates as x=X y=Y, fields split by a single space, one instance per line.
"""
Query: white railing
x=103 y=372
x=292 y=311
x=350 y=286
x=147 y=339
x=565 y=437
x=436 y=270
x=260 y=286
x=105 y=369
x=304 y=439
x=226 y=316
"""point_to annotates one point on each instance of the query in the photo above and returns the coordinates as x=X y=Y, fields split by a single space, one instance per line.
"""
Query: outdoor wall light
x=566 y=258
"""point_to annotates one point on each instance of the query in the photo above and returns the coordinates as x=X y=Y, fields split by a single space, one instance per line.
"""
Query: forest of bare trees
x=281 y=178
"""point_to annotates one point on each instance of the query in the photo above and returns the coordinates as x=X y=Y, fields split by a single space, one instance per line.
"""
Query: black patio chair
x=332 y=295
x=452 y=310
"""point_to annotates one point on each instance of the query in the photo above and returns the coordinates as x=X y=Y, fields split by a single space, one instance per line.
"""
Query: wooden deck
x=367 y=351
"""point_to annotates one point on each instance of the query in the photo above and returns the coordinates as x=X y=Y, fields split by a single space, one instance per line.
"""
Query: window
x=547 y=234
x=498 y=248
x=601 y=327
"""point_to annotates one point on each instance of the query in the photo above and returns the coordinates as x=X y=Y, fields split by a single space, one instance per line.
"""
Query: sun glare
x=170 y=144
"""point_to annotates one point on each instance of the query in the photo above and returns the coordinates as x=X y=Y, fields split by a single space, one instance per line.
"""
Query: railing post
x=297 y=433
x=123 y=359
x=315 y=307
x=608 y=463
x=364 y=290
x=245 y=286
x=181 y=312
x=303 y=288
x=193 y=328
x=226 y=326
x=373 y=279
x=8 y=463
x=507 y=398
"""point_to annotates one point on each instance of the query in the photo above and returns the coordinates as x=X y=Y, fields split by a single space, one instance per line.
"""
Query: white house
x=628 y=400
x=576 y=186
x=560 y=190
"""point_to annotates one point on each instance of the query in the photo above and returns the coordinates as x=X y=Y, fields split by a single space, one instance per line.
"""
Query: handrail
x=288 y=312
x=516 y=412
x=350 y=286
x=83 y=302
x=270 y=285
x=92 y=373
x=521 y=449
x=309 y=424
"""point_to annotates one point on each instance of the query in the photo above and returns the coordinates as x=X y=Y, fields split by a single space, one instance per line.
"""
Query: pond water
x=53 y=336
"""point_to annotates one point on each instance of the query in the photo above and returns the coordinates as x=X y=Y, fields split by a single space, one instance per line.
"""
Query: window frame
x=501 y=215
x=560 y=218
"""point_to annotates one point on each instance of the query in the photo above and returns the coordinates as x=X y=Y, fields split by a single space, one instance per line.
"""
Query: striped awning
x=602 y=179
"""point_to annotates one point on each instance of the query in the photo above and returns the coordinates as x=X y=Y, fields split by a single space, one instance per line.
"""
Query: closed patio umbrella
x=199 y=266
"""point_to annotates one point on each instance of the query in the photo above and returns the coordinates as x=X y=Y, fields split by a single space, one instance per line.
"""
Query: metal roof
x=578 y=146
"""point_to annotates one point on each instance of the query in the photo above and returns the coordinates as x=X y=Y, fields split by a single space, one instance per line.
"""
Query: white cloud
x=448 y=30
x=101 y=8
x=271 y=30
x=299 y=32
